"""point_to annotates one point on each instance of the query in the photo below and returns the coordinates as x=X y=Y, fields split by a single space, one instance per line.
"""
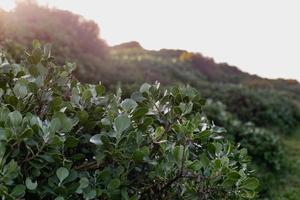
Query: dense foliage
x=256 y=112
x=262 y=144
x=64 y=140
x=262 y=107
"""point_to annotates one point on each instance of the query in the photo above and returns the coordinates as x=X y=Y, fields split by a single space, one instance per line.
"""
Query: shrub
x=267 y=109
x=61 y=139
x=262 y=144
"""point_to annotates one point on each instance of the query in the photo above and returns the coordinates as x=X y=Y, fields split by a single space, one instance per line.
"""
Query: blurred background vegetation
x=261 y=114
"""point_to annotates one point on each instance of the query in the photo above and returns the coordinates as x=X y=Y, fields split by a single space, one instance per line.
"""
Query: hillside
x=191 y=68
x=71 y=36
x=74 y=38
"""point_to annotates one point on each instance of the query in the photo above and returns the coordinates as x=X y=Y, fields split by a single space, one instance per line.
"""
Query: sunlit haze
x=260 y=37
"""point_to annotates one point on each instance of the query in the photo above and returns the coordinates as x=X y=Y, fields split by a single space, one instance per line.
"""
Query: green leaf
x=18 y=191
x=83 y=116
x=122 y=122
x=36 y=56
x=3 y=114
x=96 y=139
x=13 y=100
x=84 y=182
x=71 y=142
x=36 y=44
x=27 y=133
x=147 y=121
x=204 y=160
x=66 y=124
x=75 y=98
x=5 y=134
x=30 y=185
x=178 y=154
x=138 y=156
x=100 y=89
x=217 y=164
x=140 y=112
x=62 y=173
x=250 y=184
x=246 y=194
x=2 y=151
x=145 y=88
x=55 y=125
x=125 y=195
x=90 y=195
x=218 y=148
x=105 y=122
x=1 y=92
x=87 y=94
x=228 y=183
x=59 y=198
x=137 y=96
x=159 y=132
x=177 y=110
x=128 y=104
x=205 y=134
x=15 y=118
x=114 y=184
x=20 y=90
x=33 y=70
x=217 y=129
x=234 y=175
x=196 y=165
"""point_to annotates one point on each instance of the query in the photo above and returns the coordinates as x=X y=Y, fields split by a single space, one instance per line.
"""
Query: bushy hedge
x=262 y=144
x=265 y=108
x=60 y=139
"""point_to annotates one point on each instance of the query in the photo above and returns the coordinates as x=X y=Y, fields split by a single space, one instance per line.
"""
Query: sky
x=258 y=36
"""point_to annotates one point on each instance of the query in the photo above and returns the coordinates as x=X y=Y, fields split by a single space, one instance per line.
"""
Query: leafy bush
x=264 y=108
x=61 y=139
x=262 y=144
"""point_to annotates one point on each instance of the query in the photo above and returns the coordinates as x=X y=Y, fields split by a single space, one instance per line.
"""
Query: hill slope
x=74 y=38
x=180 y=64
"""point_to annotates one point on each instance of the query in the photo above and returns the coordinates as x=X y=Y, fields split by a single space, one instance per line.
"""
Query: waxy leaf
x=62 y=173
x=30 y=185
x=15 y=118
x=122 y=122
x=114 y=184
x=250 y=184
x=128 y=104
x=96 y=139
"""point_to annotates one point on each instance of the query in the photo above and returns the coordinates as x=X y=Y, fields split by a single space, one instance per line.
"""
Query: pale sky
x=258 y=36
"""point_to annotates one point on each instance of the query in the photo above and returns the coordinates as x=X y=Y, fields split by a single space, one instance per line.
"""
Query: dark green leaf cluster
x=60 y=139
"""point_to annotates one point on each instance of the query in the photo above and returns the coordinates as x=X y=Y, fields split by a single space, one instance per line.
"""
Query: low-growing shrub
x=265 y=108
x=60 y=139
x=262 y=144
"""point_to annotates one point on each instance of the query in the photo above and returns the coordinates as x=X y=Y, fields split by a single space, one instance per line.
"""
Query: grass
x=287 y=187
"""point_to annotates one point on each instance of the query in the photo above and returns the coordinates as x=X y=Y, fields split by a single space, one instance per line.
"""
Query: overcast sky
x=259 y=36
